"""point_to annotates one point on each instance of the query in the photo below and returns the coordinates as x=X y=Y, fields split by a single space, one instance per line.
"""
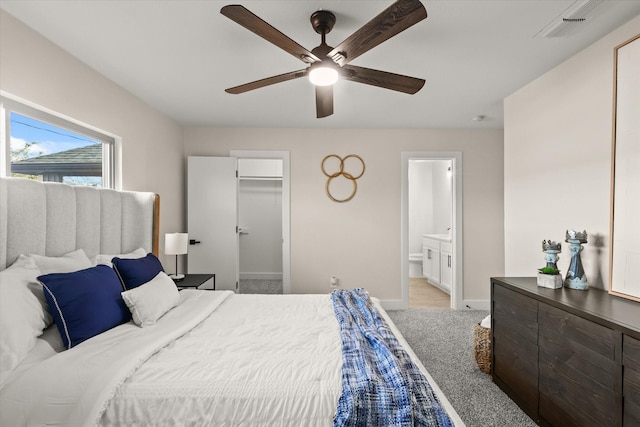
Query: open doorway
x=260 y=226
x=263 y=220
x=431 y=229
x=430 y=209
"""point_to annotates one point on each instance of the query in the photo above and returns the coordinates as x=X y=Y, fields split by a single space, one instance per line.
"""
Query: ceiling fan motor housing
x=322 y=21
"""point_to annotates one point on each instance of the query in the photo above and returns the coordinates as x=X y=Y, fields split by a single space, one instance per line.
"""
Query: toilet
x=415 y=264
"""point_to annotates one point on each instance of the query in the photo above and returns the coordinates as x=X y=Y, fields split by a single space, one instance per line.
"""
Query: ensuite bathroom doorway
x=431 y=229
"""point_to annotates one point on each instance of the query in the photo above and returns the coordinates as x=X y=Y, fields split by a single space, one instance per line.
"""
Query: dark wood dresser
x=566 y=357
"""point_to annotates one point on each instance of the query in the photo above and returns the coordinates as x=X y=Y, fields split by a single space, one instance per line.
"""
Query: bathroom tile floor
x=423 y=294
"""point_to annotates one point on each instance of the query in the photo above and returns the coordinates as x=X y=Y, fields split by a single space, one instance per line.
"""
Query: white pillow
x=68 y=263
x=106 y=259
x=150 y=301
x=23 y=313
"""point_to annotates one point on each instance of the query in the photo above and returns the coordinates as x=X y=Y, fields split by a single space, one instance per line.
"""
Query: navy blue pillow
x=137 y=271
x=85 y=303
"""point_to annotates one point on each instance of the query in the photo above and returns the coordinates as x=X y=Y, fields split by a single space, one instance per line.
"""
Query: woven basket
x=482 y=347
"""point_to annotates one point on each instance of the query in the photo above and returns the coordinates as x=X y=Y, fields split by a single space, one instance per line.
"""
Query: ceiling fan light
x=323 y=75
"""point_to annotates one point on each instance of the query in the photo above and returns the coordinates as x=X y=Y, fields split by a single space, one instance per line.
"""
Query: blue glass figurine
x=576 y=277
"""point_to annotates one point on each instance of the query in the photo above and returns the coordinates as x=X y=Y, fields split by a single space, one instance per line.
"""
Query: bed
x=193 y=357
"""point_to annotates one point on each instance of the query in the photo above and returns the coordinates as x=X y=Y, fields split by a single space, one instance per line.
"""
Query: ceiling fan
x=326 y=63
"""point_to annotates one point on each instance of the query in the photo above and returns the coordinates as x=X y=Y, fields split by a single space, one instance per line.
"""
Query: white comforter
x=216 y=359
x=73 y=387
x=258 y=360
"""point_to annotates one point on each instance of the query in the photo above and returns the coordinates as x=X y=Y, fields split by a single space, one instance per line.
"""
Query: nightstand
x=195 y=280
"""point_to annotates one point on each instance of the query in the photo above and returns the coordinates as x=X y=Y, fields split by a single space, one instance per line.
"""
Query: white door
x=212 y=218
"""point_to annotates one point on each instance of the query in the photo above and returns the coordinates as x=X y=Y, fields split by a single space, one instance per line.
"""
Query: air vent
x=571 y=20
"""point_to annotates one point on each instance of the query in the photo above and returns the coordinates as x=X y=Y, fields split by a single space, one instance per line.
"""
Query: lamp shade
x=176 y=243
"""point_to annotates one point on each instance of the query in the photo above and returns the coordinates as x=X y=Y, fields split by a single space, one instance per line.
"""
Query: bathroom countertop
x=441 y=237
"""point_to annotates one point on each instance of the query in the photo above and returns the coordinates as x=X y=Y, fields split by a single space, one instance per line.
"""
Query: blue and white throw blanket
x=381 y=386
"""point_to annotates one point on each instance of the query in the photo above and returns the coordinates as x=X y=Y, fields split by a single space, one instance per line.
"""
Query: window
x=39 y=145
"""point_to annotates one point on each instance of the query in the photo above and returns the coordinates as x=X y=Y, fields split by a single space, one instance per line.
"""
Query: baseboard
x=477 y=304
x=481 y=304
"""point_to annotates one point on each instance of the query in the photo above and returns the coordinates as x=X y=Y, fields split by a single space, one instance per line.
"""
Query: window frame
x=9 y=104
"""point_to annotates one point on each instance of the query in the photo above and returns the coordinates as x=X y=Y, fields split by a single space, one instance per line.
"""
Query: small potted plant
x=549 y=277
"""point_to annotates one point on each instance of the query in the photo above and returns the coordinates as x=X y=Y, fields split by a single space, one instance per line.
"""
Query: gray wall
x=359 y=241
x=558 y=136
x=149 y=145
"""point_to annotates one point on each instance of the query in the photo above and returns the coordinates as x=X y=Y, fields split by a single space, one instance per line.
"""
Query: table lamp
x=176 y=244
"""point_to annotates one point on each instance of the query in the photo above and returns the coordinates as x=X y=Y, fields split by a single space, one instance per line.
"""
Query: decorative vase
x=551 y=250
x=551 y=281
x=576 y=277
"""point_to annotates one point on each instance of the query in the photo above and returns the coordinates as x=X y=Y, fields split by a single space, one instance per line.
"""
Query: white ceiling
x=179 y=56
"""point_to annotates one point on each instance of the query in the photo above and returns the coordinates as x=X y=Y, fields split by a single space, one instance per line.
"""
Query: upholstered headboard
x=53 y=219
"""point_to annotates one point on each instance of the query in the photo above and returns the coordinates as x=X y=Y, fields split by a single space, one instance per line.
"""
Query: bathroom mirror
x=624 y=266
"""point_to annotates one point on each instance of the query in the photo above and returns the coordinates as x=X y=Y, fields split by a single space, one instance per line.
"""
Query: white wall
x=420 y=202
x=557 y=160
x=151 y=149
x=430 y=200
x=359 y=241
x=442 y=197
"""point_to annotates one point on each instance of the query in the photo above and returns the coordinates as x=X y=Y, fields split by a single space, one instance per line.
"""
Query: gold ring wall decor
x=343 y=173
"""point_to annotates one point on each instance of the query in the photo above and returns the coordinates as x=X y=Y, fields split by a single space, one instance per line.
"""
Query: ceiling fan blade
x=266 y=82
x=396 y=18
x=324 y=101
x=382 y=79
x=252 y=22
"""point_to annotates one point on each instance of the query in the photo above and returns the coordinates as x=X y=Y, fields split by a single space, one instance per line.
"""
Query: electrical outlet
x=334 y=282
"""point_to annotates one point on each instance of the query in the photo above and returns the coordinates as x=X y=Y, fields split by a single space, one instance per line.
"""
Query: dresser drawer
x=631 y=352
x=631 y=394
x=566 y=326
x=577 y=369
x=631 y=381
x=514 y=346
x=515 y=314
x=517 y=364
x=564 y=392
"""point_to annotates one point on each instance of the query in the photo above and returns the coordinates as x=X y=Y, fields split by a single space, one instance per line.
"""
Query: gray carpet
x=443 y=340
x=260 y=286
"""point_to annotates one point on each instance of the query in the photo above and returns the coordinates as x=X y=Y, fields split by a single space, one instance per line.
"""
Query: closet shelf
x=260 y=178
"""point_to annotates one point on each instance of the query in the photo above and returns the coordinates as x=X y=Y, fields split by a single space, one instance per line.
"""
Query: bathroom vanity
x=437 y=260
